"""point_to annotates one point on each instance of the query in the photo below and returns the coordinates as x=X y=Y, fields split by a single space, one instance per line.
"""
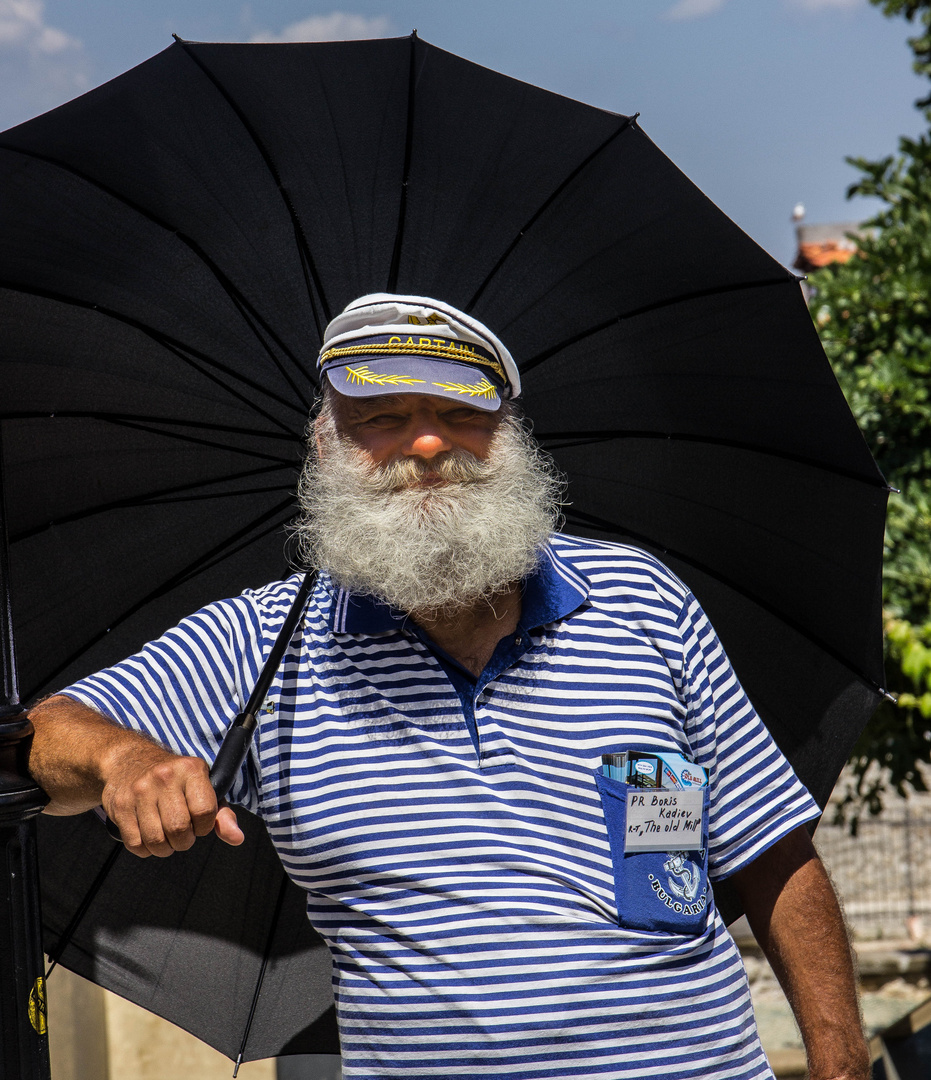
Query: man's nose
x=426 y=442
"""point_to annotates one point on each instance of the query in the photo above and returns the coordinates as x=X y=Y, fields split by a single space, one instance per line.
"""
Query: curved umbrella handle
x=238 y=737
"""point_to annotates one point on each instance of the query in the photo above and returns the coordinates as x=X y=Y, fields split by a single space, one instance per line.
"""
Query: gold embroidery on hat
x=365 y=374
x=432 y=348
x=432 y=319
x=483 y=389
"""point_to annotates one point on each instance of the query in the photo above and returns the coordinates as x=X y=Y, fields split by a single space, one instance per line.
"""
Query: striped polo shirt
x=473 y=885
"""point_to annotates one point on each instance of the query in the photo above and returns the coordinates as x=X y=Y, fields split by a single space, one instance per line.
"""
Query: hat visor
x=380 y=376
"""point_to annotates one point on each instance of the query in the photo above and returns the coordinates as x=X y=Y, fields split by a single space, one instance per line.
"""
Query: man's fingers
x=227 y=827
x=165 y=795
x=168 y=827
x=163 y=808
x=126 y=822
x=201 y=803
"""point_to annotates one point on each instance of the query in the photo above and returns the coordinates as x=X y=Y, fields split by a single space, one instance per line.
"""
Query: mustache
x=453 y=467
x=387 y=478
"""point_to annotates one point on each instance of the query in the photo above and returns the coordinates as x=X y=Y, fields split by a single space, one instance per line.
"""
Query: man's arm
x=159 y=801
x=794 y=914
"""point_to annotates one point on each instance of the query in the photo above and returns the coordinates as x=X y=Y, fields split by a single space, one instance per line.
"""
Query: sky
x=758 y=101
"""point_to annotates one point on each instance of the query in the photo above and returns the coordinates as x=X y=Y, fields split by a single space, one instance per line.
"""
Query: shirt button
x=518 y=640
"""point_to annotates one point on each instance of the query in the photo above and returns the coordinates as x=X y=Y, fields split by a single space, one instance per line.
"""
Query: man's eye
x=383 y=419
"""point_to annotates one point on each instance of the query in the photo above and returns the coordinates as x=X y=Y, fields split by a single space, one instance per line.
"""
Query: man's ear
x=320 y=445
x=323 y=415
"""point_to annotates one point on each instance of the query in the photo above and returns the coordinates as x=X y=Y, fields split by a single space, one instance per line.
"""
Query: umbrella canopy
x=198 y=942
x=176 y=241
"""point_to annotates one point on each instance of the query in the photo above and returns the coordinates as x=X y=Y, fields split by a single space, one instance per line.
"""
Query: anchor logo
x=686 y=871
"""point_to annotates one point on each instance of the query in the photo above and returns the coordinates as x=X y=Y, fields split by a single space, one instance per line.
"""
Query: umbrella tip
x=238 y=1063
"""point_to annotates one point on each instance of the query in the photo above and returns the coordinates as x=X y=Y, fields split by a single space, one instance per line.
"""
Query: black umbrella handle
x=238 y=738
x=232 y=753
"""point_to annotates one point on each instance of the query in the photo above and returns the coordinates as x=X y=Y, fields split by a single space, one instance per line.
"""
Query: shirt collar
x=551 y=592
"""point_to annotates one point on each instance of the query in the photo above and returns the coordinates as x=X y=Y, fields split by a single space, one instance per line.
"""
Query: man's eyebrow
x=362 y=406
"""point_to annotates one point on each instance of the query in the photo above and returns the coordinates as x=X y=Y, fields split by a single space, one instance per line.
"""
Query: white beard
x=427 y=550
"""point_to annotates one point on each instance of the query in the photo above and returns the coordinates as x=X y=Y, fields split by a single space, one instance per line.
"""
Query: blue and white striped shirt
x=465 y=881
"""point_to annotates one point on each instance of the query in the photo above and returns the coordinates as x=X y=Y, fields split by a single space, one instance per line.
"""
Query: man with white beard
x=429 y=758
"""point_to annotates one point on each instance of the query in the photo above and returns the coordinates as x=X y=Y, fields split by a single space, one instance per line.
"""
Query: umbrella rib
x=564 y=440
x=282 y=889
x=406 y=172
x=604 y=525
x=210 y=558
x=144 y=422
x=181 y=437
x=70 y=519
x=250 y=316
x=64 y=941
x=230 y=552
x=682 y=298
x=629 y=122
x=166 y=496
x=308 y=265
x=171 y=501
x=233 y=551
x=184 y=353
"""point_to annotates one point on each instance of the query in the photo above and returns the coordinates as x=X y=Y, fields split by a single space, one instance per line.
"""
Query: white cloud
x=40 y=65
x=337 y=26
x=22 y=26
x=52 y=40
x=693 y=9
x=825 y=5
x=699 y=9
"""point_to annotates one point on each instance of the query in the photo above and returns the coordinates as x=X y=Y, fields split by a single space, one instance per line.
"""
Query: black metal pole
x=24 y=1052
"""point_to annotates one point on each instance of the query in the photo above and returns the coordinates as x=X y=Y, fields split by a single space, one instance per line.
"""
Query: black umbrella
x=199 y=941
x=176 y=240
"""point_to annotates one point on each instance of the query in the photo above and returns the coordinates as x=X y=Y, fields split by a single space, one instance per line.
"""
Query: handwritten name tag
x=664 y=820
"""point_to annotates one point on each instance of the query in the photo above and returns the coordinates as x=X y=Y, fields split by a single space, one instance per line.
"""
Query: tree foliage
x=921 y=43
x=874 y=317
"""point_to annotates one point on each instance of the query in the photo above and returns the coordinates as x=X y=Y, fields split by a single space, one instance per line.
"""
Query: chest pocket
x=655 y=890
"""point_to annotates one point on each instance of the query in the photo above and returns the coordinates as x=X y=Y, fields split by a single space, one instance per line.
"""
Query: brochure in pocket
x=661 y=769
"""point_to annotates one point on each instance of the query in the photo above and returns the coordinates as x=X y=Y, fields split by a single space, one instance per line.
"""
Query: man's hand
x=159 y=801
x=795 y=916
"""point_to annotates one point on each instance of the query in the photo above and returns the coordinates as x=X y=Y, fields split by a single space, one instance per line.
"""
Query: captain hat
x=388 y=344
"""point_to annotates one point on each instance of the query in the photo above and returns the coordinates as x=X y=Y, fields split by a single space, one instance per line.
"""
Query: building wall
x=95 y=1035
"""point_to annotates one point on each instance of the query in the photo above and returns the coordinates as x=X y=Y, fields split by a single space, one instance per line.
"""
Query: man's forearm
x=74 y=750
x=794 y=914
x=159 y=801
